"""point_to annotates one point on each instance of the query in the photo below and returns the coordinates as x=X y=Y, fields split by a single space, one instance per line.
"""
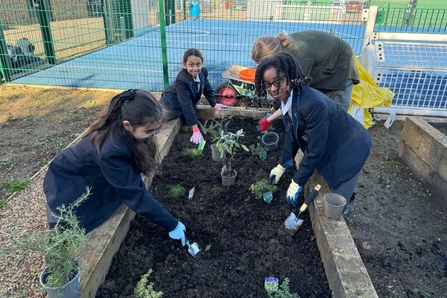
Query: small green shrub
x=13 y=186
x=283 y=291
x=145 y=289
x=176 y=191
x=192 y=152
x=255 y=150
x=213 y=127
x=260 y=187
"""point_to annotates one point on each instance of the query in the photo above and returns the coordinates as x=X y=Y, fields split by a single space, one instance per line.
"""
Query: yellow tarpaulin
x=367 y=95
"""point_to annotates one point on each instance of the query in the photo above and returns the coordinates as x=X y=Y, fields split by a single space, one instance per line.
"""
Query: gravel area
x=25 y=213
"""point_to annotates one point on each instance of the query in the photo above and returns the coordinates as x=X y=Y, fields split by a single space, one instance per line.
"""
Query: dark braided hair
x=282 y=61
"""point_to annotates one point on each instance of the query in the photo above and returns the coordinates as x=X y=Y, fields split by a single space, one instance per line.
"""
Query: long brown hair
x=268 y=45
x=140 y=108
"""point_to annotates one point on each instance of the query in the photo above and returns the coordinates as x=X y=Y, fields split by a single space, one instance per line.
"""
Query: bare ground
x=399 y=230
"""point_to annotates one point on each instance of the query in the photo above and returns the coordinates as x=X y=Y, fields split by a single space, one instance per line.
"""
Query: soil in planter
x=241 y=237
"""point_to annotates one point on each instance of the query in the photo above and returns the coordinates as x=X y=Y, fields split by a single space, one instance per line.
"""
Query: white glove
x=179 y=233
x=196 y=136
x=220 y=106
x=276 y=173
x=293 y=192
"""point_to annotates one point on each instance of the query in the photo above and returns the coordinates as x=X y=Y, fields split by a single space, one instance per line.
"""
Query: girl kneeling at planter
x=182 y=97
x=109 y=159
x=333 y=142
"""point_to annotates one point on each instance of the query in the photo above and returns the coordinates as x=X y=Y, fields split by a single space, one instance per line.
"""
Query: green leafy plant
x=7 y=163
x=176 y=191
x=192 y=152
x=283 y=291
x=145 y=289
x=260 y=187
x=227 y=143
x=14 y=186
x=61 y=246
x=257 y=149
x=214 y=127
x=423 y=292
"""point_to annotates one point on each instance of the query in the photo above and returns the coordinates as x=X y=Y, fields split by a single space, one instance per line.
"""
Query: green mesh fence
x=139 y=43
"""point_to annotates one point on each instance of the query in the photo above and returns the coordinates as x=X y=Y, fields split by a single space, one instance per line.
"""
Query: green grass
x=2 y=203
x=14 y=186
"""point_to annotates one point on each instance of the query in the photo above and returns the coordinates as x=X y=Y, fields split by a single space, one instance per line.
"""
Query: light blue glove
x=179 y=233
x=292 y=193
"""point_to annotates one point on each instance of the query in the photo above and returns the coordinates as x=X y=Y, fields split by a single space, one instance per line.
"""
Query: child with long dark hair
x=333 y=142
x=109 y=159
x=181 y=98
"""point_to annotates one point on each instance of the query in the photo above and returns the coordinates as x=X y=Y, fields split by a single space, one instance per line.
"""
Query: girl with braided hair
x=327 y=59
x=109 y=159
x=333 y=142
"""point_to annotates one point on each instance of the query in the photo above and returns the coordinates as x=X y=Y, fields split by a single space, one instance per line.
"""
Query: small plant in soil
x=145 y=289
x=227 y=143
x=176 y=191
x=257 y=149
x=283 y=291
x=192 y=152
x=214 y=127
x=260 y=187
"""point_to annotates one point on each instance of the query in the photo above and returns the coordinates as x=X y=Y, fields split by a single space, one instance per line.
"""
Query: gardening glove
x=276 y=173
x=179 y=233
x=264 y=124
x=293 y=193
x=220 y=106
x=196 y=136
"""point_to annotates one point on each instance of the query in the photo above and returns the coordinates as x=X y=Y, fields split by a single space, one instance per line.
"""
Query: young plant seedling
x=192 y=152
x=176 y=191
x=262 y=186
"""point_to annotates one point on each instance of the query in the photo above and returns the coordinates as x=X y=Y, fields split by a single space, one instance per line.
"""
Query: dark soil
x=398 y=228
x=242 y=238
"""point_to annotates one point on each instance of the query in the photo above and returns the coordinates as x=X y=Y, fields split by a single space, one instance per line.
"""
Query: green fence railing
x=41 y=36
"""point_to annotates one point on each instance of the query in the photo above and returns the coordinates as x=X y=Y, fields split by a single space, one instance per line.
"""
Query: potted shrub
x=227 y=143
x=213 y=128
x=62 y=247
x=262 y=189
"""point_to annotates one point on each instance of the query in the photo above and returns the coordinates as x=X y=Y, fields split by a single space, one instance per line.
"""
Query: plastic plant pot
x=334 y=205
x=215 y=153
x=270 y=140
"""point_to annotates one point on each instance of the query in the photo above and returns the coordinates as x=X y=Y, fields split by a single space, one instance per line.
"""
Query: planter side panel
x=424 y=150
x=345 y=271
